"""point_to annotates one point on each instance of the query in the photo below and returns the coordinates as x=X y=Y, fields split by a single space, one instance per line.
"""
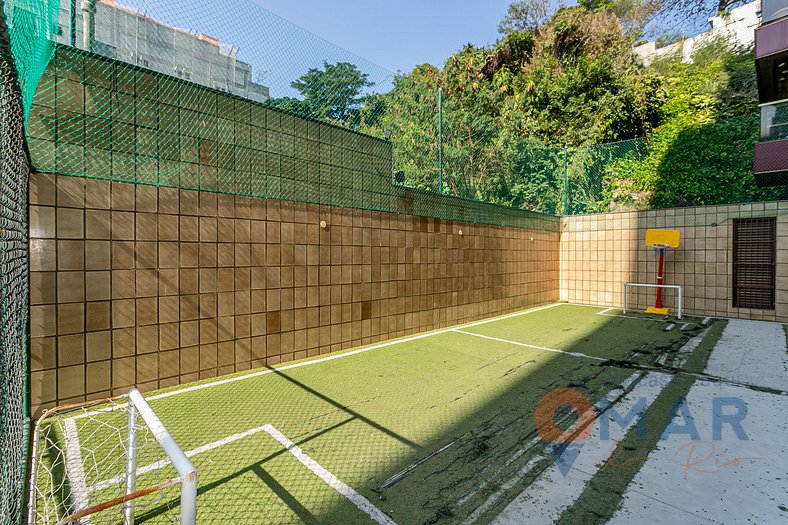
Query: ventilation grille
x=754 y=259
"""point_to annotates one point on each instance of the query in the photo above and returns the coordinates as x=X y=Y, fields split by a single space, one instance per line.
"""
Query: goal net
x=109 y=462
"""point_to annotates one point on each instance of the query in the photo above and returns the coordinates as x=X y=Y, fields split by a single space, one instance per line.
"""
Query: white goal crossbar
x=642 y=285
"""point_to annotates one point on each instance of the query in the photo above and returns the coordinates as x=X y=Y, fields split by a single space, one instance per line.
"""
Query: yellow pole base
x=658 y=311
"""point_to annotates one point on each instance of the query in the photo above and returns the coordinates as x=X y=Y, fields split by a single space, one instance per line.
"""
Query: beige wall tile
x=42 y=189
x=42 y=222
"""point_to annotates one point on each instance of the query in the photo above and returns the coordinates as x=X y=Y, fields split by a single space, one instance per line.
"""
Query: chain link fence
x=14 y=409
x=482 y=157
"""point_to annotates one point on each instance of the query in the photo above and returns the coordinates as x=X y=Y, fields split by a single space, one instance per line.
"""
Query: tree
x=411 y=117
x=334 y=92
x=291 y=105
x=593 y=5
x=573 y=82
x=701 y=153
x=566 y=98
x=525 y=15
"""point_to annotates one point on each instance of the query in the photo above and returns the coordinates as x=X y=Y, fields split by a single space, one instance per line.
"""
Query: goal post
x=186 y=472
x=679 y=312
x=85 y=464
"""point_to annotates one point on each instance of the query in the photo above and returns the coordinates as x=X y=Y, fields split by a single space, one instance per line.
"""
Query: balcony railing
x=774 y=121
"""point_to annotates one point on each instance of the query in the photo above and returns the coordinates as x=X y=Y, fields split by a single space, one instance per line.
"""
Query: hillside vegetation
x=573 y=81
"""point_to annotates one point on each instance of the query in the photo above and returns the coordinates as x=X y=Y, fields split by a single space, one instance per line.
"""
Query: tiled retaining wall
x=146 y=271
x=600 y=252
x=134 y=284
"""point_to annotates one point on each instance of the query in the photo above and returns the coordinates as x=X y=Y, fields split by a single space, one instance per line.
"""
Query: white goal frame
x=187 y=474
x=643 y=285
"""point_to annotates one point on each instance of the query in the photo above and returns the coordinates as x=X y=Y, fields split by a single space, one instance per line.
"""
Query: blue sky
x=283 y=40
x=396 y=34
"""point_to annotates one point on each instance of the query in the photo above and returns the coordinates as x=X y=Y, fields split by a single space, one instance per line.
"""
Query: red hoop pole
x=658 y=303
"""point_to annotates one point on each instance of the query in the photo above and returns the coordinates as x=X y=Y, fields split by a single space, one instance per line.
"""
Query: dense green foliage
x=333 y=94
x=701 y=153
x=562 y=116
x=510 y=110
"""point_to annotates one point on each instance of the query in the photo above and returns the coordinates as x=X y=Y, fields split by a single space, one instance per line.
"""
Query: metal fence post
x=88 y=24
x=566 y=183
x=440 y=140
x=72 y=29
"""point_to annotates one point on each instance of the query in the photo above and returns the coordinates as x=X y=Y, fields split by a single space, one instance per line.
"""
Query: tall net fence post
x=14 y=405
x=567 y=211
x=440 y=140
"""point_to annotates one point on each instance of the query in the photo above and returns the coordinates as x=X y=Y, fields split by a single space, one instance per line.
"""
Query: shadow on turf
x=257 y=467
x=431 y=492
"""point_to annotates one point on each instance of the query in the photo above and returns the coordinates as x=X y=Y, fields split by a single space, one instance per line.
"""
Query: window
x=754 y=257
x=182 y=72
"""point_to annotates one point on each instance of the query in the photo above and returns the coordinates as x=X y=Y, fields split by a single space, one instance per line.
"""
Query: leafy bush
x=701 y=153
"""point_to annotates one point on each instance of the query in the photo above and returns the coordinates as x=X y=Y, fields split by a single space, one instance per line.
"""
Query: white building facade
x=738 y=25
x=127 y=35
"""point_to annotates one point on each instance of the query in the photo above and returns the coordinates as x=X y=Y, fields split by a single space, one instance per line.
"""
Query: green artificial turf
x=368 y=416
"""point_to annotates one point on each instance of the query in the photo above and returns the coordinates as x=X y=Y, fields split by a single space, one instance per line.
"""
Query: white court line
x=75 y=470
x=606 y=310
x=327 y=477
x=164 y=462
x=316 y=361
x=331 y=480
x=574 y=354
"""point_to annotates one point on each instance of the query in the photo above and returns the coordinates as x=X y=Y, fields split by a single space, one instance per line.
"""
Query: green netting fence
x=238 y=100
x=32 y=27
x=444 y=146
x=447 y=148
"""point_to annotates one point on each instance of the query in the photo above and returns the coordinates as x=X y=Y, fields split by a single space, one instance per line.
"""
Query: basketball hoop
x=659 y=246
x=660 y=241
